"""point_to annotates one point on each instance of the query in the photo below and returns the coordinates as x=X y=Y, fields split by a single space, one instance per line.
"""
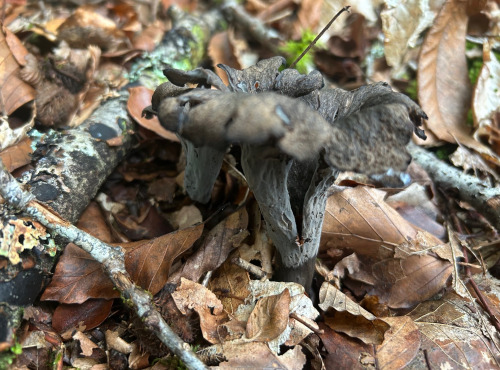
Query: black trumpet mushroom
x=295 y=137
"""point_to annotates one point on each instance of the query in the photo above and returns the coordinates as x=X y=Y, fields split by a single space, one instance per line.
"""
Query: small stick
x=251 y=268
x=293 y=315
x=344 y=9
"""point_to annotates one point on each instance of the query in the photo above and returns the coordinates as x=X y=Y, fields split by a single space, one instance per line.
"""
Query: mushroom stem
x=295 y=236
x=202 y=168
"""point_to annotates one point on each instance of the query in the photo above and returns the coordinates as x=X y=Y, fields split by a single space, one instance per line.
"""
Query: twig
x=344 y=9
x=293 y=315
x=251 y=268
x=477 y=193
x=111 y=258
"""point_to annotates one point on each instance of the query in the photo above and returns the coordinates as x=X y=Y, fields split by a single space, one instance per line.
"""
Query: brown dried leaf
x=148 y=262
x=230 y=283
x=399 y=273
x=17 y=155
x=220 y=50
x=402 y=24
x=89 y=314
x=350 y=318
x=13 y=91
x=358 y=219
x=77 y=278
x=456 y=334
x=444 y=89
x=401 y=343
x=345 y=352
x=269 y=318
x=217 y=245
x=190 y=295
x=486 y=100
x=258 y=355
x=140 y=97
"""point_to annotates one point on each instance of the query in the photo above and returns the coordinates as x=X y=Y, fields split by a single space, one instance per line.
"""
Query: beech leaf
x=14 y=92
x=148 y=262
x=350 y=318
x=269 y=318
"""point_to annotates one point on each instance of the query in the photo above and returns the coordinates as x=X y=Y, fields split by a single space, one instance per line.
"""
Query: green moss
x=411 y=90
x=8 y=357
x=293 y=49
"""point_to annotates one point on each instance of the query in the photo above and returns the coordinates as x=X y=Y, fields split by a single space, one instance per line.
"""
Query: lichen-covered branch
x=480 y=195
x=111 y=258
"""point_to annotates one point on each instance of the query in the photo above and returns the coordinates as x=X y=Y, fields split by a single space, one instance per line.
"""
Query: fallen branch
x=111 y=259
x=477 y=193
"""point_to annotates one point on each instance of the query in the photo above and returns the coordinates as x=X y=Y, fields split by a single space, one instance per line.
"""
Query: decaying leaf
x=148 y=262
x=486 y=100
x=350 y=318
x=77 y=278
x=217 y=245
x=401 y=343
x=193 y=296
x=269 y=318
x=13 y=91
x=398 y=262
x=402 y=24
x=456 y=333
x=443 y=83
x=139 y=96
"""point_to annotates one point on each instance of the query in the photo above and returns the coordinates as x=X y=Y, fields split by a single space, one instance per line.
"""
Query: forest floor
x=408 y=264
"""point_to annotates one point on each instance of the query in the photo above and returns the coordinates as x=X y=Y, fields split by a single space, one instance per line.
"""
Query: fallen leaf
x=13 y=91
x=148 y=262
x=486 y=100
x=217 y=245
x=456 y=334
x=190 y=295
x=401 y=343
x=77 y=278
x=269 y=318
x=90 y=314
x=345 y=352
x=17 y=155
x=444 y=88
x=139 y=98
x=230 y=283
x=86 y=345
x=258 y=355
x=402 y=24
x=349 y=317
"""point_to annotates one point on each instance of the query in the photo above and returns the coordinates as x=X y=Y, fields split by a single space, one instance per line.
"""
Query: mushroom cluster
x=295 y=136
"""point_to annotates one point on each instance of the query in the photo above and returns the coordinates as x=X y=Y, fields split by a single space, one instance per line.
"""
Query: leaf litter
x=388 y=282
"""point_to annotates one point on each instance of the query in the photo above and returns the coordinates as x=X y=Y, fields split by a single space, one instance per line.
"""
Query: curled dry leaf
x=398 y=262
x=402 y=24
x=456 y=333
x=269 y=318
x=139 y=97
x=13 y=91
x=444 y=88
x=486 y=100
x=193 y=296
x=217 y=245
x=148 y=262
x=350 y=318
